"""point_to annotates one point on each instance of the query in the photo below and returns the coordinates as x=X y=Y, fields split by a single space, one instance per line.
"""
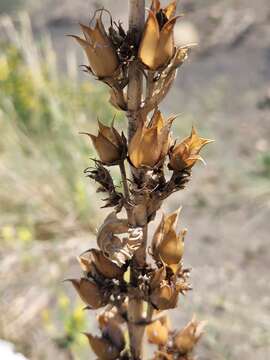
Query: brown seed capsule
x=102 y=57
x=151 y=142
x=112 y=330
x=165 y=296
x=118 y=99
x=167 y=246
x=157 y=333
x=186 y=339
x=105 y=267
x=103 y=348
x=186 y=154
x=162 y=355
x=86 y=263
x=158 y=277
x=89 y=292
x=109 y=144
x=157 y=44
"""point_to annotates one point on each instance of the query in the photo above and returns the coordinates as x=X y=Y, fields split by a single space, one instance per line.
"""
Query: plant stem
x=136 y=24
x=135 y=86
x=124 y=180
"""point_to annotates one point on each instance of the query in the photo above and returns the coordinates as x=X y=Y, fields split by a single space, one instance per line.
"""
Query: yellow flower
x=63 y=301
x=157 y=44
x=151 y=142
x=109 y=144
x=186 y=154
x=102 y=57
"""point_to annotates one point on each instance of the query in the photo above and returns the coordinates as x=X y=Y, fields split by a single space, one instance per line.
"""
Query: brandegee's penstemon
x=116 y=277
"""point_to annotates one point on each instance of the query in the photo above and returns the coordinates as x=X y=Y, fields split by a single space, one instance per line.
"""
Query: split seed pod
x=167 y=246
x=112 y=330
x=103 y=348
x=117 y=241
x=157 y=333
x=157 y=44
x=151 y=142
x=102 y=264
x=186 y=339
x=186 y=154
x=158 y=277
x=109 y=144
x=102 y=57
x=165 y=296
x=89 y=292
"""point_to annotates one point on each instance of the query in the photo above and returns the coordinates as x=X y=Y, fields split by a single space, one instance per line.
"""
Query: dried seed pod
x=103 y=348
x=89 y=292
x=157 y=333
x=105 y=267
x=86 y=263
x=185 y=340
x=171 y=249
x=162 y=355
x=158 y=277
x=165 y=296
x=109 y=144
x=102 y=57
x=118 y=99
x=117 y=240
x=112 y=330
x=167 y=246
x=157 y=45
x=151 y=142
x=186 y=154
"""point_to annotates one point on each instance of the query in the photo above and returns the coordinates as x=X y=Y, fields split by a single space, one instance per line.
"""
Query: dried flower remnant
x=157 y=46
x=103 y=348
x=151 y=142
x=158 y=333
x=102 y=57
x=109 y=144
x=186 y=154
x=186 y=339
x=134 y=294
x=89 y=292
x=94 y=259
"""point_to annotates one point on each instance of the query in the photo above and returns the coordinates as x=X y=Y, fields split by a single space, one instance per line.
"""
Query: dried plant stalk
x=135 y=307
x=117 y=277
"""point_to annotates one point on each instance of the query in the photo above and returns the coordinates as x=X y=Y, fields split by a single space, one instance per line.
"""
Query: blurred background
x=50 y=212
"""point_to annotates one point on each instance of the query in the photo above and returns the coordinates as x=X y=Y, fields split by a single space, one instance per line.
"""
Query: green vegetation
x=43 y=193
